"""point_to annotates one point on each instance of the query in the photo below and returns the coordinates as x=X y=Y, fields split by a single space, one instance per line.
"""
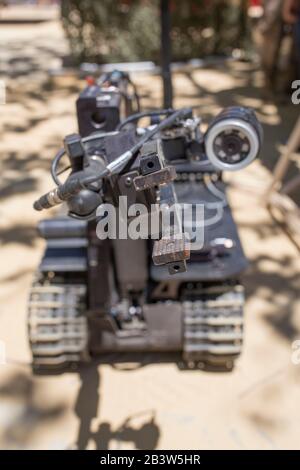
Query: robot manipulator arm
x=82 y=179
x=231 y=142
x=172 y=249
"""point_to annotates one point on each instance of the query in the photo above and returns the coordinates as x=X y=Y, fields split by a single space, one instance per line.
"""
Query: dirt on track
x=155 y=406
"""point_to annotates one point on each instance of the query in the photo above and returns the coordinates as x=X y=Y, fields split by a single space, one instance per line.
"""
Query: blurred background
x=224 y=52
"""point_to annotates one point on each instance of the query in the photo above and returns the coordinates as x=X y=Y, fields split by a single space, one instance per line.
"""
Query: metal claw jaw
x=172 y=251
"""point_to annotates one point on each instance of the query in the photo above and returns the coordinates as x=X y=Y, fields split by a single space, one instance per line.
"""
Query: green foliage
x=129 y=30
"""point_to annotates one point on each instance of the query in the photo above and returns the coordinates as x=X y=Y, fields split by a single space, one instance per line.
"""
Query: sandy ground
x=156 y=406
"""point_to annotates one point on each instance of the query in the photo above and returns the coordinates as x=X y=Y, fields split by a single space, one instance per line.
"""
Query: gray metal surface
x=163 y=332
x=131 y=264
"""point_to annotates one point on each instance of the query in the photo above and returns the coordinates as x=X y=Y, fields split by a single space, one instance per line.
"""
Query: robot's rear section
x=101 y=105
x=93 y=296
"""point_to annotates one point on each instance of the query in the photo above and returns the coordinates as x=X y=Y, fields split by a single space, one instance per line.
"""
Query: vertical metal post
x=166 y=53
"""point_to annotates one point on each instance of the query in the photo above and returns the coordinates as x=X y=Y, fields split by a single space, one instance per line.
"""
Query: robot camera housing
x=233 y=139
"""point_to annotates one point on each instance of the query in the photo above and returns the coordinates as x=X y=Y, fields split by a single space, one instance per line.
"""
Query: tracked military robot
x=92 y=296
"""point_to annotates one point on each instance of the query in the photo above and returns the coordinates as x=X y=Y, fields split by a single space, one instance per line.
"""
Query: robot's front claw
x=172 y=251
